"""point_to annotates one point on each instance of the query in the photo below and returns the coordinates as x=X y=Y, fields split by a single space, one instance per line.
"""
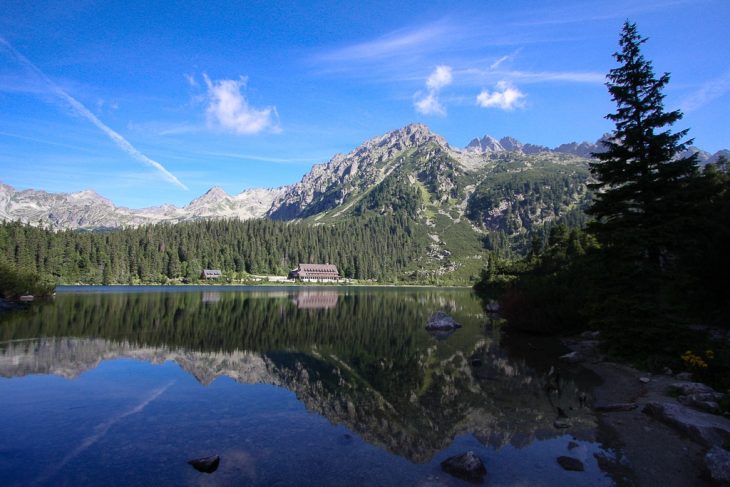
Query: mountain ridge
x=332 y=184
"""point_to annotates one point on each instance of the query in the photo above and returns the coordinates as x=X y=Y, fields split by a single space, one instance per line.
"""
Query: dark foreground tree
x=642 y=207
x=639 y=200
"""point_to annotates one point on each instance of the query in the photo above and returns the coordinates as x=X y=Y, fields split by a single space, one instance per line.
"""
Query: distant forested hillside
x=383 y=247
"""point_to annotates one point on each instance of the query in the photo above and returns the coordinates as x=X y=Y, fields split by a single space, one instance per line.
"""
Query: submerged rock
x=467 y=467
x=206 y=464
x=441 y=321
x=717 y=462
x=571 y=464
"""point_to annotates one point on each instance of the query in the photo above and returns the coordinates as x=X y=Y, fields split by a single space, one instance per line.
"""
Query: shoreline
x=273 y=284
x=652 y=451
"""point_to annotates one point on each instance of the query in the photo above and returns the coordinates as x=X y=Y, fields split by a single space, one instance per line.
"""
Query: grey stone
x=571 y=464
x=620 y=406
x=688 y=388
x=206 y=464
x=466 y=466
x=441 y=321
x=717 y=461
x=684 y=376
x=703 y=401
x=706 y=429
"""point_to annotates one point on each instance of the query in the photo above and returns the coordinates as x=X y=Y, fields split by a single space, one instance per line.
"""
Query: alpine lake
x=320 y=386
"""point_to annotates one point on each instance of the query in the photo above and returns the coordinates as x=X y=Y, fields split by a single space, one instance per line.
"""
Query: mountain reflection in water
x=359 y=358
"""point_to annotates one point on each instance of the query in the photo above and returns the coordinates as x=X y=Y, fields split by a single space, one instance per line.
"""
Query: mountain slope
x=492 y=195
x=443 y=176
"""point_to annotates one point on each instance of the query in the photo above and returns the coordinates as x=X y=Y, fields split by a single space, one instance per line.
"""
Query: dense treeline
x=385 y=247
x=650 y=271
x=15 y=283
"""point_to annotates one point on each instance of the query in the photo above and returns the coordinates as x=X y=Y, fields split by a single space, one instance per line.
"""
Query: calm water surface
x=290 y=386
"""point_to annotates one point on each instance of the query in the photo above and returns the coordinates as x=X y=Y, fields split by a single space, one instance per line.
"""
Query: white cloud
x=499 y=61
x=569 y=76
x=504 y=97
x=428 y=103
x=228 y=109
x=191 y=80
x=709 y=91
x=393 y=45
x=84 y=112
x=440 y=78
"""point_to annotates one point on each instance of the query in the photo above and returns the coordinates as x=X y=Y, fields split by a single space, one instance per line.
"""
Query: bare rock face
x=329 y=185
x=705 y=429
x=717 y=461
x=489 y=144
x=87 y=210
x=466 y=466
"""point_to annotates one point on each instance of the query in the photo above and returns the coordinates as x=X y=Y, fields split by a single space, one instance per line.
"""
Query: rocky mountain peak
x=485 y=145
x=89 y=196
x=510 y=144
x=213 y=195
x=412 y=135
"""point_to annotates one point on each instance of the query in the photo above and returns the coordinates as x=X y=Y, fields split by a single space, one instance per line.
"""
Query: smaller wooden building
x=315 y=273
x=211 y=274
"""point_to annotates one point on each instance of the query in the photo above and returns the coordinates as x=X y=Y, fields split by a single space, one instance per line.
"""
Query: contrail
x=100 y=431
x=86 y=113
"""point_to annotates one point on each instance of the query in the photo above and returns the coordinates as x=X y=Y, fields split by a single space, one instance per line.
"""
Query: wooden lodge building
x=315 y=273
x=211 y=274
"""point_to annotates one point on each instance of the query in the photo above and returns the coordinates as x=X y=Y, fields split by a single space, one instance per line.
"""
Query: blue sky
x=155 y=102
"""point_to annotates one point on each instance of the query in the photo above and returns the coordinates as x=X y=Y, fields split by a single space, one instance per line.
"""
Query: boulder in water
x=206 y=464
x=571 y=464
x=441 y=321
x=466 y=466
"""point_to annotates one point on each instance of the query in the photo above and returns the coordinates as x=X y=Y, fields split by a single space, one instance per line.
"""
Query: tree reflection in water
x=361 y=358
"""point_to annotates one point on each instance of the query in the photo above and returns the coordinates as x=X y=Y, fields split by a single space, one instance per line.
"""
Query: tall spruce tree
x=638 y=203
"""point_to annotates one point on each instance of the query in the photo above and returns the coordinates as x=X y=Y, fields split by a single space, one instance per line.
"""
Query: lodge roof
x=315 y=271
x=318 y=268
